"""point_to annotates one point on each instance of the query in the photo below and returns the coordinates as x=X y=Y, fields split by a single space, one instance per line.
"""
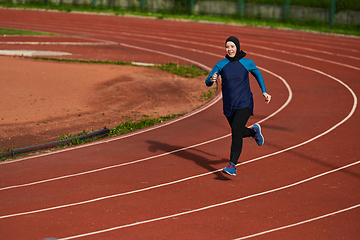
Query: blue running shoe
x=259 y=138
x=231 y=169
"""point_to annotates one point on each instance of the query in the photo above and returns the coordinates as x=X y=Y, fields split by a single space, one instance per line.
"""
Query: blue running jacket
x=235 y=83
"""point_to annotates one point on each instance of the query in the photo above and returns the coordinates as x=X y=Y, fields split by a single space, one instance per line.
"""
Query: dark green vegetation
x=183 y=71
x=131 y=125
x=349 y=5
x=180 y=70
x=8 y=31
x=182 y=10
x=125 y=127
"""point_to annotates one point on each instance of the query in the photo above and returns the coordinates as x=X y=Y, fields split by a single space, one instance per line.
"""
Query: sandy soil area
x=41 y=100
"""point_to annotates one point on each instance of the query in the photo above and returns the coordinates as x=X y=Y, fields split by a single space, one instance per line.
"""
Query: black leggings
x=239 y=131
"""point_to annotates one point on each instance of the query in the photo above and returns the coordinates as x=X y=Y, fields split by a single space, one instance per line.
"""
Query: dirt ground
x=41 y=100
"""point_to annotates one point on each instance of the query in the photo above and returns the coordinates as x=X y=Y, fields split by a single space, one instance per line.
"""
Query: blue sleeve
x=250 y=66
x=217 y=68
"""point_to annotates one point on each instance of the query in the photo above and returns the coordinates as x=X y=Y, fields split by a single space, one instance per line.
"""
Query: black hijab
x=239 y=53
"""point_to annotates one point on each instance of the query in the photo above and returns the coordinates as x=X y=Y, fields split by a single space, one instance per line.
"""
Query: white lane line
x=30 y=53
x=53 y=43
x=113 y=166
x=306 y=56
x=211 y=206
x=299 y=223
x=334 y=53
x=252 y=45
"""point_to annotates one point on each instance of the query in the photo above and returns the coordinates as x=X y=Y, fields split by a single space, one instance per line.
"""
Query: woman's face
x=230 y=49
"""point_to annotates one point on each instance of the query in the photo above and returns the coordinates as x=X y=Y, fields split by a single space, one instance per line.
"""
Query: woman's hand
x=267 y=97
x=214 y=77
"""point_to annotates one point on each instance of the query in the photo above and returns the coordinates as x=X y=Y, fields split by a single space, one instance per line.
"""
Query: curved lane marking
x=53 y=43
x=252 y=45
x=312 y=50
x=299 y=223
x=212 y=206
x=305 y=56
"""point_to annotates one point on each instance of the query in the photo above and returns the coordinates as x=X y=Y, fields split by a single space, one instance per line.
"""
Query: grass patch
x=207 y=95
x=310 y=25
x=182 y=70
x=125 y=127
x=185 y=15
x=8 y=31
x=172 y=68
x=132 y=125
x=83 y=61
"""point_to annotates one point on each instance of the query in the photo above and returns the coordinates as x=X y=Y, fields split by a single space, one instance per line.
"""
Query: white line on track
x=53 y=43
x=113 y=166
x=252 y=45
x=30 y=53
x=299 y=223
x=315 y=50
x=214 y=205
x=305 y=56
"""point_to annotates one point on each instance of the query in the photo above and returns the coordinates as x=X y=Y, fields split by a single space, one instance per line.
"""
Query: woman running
x=238 y=103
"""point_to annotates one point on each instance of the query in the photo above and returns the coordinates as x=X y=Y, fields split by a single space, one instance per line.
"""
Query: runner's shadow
x=188 y=155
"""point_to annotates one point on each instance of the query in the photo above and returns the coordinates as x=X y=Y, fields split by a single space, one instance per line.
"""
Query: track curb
x=99 y=133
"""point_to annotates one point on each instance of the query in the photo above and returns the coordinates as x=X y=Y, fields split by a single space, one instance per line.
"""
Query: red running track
x=166 y=182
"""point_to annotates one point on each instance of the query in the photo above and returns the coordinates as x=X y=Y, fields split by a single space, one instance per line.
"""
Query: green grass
x=209 y=94
x=309 y=25
x=84 y=61
x=191 y=71
x=182 y=70
x=131 y=125
x=8 y=31
x=350 y=5
x=125 y=127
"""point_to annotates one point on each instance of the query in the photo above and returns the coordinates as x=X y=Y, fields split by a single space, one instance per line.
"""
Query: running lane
x=165 y=182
